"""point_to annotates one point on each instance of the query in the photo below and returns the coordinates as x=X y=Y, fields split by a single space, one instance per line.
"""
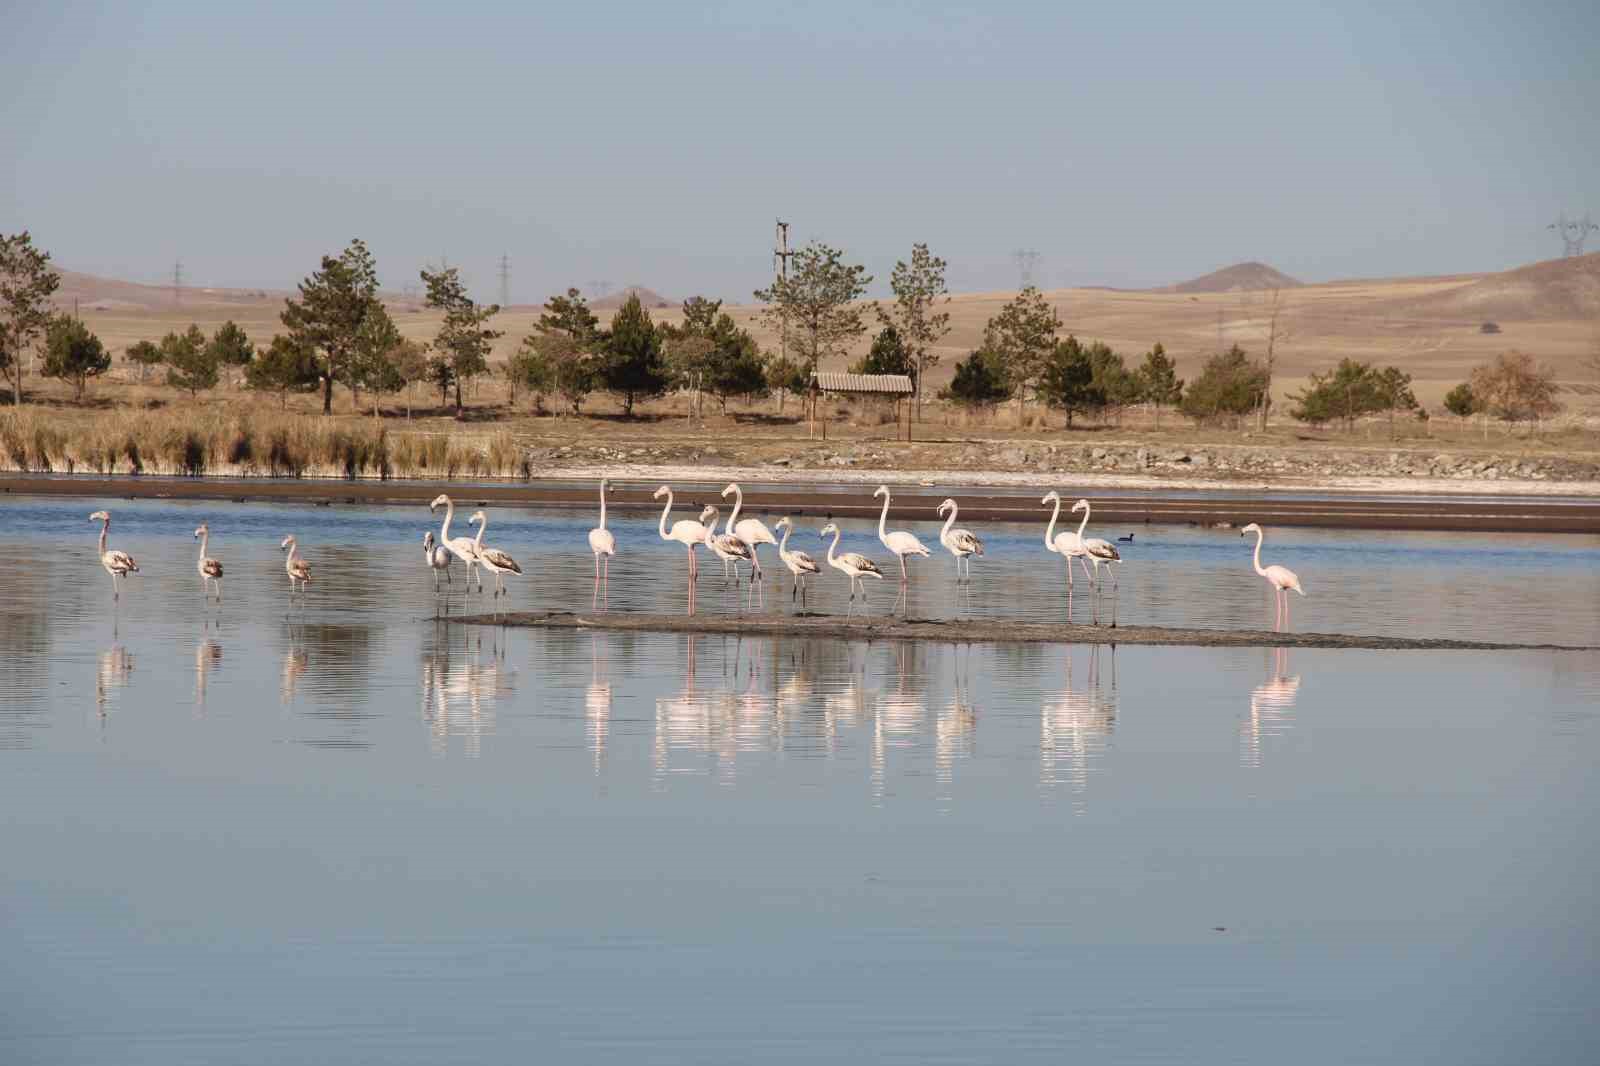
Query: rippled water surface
x=351 y=832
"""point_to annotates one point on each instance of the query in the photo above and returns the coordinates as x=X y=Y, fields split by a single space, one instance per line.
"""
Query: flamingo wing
x=1101 y=550
x=499 y=560
x=753 y=531
x=601 y=542
x=120 y=561
x=804 y=562
x=727 y=544
x=301 y=570
x=211 y=568
x=1284 y=578
x=902 y=543
x=461 y=548
x=860 y=562
x=965 y=542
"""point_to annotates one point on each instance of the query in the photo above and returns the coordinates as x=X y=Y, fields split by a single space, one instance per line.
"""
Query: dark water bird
x=1125 y=540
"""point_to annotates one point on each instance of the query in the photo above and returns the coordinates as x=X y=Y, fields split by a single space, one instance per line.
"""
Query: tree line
x=338 y=332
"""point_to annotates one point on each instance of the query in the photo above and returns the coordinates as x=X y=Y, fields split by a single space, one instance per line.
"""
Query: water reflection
x=957 y=726
x=1271 y=708
x=597 y=700
x=113 y=669
x=461 y=684
x=1075 y=726
x=207 y=657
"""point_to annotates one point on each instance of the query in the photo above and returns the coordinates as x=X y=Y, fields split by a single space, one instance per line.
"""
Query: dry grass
x=194 y=441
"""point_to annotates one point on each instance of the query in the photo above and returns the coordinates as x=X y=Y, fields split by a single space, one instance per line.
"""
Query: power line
x=505 y=281
x=177 y=281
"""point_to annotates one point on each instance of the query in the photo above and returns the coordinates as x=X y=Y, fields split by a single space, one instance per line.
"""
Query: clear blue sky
x=1130 y=144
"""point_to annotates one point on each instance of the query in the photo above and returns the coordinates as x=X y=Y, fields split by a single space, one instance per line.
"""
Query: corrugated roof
x=894 y=384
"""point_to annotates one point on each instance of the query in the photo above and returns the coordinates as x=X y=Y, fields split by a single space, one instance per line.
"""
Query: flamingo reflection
x=112 y=672
x=459 y=697
x=1271 y=708
x=1074 y=728
x=597 y=705
x=957 y=725
x=207 y=657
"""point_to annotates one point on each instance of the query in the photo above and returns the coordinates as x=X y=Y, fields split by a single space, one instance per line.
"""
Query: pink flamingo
x=1281 y=578
x=685 y=531
x=117 y=563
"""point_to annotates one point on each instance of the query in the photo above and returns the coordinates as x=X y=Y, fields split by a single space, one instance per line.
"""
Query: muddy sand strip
x=820 y=500
x=972 y=631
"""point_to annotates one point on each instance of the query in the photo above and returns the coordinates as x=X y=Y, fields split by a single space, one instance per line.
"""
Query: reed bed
x=194 y=444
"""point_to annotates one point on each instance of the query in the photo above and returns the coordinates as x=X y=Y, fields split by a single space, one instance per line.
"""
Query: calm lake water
x=350 y=832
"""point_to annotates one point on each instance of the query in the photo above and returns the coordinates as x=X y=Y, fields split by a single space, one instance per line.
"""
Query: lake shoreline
x=983 y=495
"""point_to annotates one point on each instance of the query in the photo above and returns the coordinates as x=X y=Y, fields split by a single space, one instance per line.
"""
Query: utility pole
x=1573 y=232
x=177 y=281
x=1026 y=259
x=780 y=273
x=505 y=281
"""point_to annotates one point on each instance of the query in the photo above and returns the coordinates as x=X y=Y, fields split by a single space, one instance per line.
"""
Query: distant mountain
x=1241 y=277
x=649 y=297
x=1553 y=289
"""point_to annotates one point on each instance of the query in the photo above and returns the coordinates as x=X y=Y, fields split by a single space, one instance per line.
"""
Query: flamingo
x=961 y=542
x=685 y=531
x=799 y=563
x=725 y=546
x=752 y=531
x=853 y=564
x=210 y=569
x=460 y=547
x=117 y=563
x=493 y=560
x=1281 y=578
x=1100 y=554
x=1066 y=544
x=438 y=559
x=601 y=542
x=296 y=567
x=900 y=542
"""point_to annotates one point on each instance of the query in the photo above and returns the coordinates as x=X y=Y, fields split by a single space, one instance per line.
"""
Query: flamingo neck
x=105 y=528
x=602 y=505
x=783 y=545
x=204 y=539
x=883 y=516
x=477 y=542
x=1259 y=568
x=835 y=543
x=1050 y=530
x=738 y=502
x=1084 y=524
x=449 y=513
x=664 y=512
x=944 y=534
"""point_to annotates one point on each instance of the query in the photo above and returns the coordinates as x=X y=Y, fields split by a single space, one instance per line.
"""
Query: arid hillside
x=1241 y=277
x=1430 y=327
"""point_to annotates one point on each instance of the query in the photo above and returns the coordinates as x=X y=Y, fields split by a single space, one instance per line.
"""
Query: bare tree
x=1274 y=335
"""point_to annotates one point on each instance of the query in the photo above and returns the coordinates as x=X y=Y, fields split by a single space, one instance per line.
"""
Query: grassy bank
x=196 y=442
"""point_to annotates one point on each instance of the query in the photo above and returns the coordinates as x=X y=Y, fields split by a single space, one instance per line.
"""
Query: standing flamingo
x=210 y=569
x=685 y=531
x=117 y=563
x=1066 y=544
x=961 y=542
x=437 y=558
x=460 y=547
x=752 y=531
x=900 y=542
x=1281 y=578
x=730 y=549
x=853 y=564
x=296 y=567
x=493 y=560
x=799 y=563
x=601 y=542
x=1100 y=554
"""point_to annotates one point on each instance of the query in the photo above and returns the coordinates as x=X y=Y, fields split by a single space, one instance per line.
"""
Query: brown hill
x=109 y=294
x=1241 y=277
x=1539 y=292
x=648 y=297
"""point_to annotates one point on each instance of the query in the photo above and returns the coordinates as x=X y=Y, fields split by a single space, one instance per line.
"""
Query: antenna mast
x=1573 y=232
x=1026 y=259
x=505 y=281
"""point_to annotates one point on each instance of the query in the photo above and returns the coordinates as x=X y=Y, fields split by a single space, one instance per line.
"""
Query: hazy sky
x=1129 y=144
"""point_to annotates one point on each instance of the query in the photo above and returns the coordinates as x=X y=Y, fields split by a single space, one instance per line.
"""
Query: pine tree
x=26 y=282
x=633 y=367
x=190 y=363
x=464 y=338
x=919 y=289
x=73 y=354
x=328 y=315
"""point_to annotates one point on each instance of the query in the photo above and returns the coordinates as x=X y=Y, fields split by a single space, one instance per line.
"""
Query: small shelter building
x=890 y=388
